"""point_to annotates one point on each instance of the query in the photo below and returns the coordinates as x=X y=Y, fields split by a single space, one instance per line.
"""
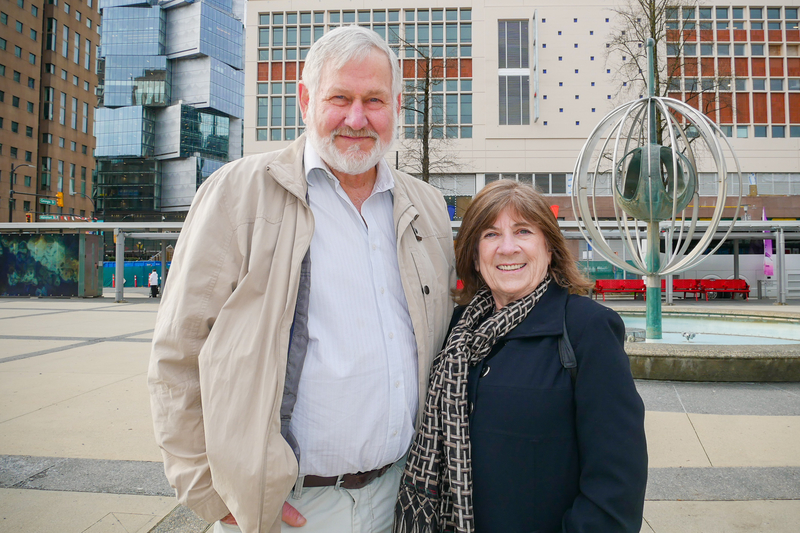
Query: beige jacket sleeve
x=203 y=274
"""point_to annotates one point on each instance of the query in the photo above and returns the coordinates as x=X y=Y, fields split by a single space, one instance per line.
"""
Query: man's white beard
x=354 y=160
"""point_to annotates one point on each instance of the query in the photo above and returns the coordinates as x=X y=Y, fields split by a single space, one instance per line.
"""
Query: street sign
x=47 y=201
x=48 y=217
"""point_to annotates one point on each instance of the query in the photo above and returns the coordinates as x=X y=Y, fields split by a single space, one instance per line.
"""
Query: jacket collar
x=546 y=318
x=288 y=167
x=290 y=175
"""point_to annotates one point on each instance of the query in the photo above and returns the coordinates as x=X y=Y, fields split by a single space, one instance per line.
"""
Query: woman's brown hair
x=528 y=204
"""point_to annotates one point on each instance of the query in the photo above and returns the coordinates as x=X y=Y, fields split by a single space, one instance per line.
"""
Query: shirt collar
x=311 y=160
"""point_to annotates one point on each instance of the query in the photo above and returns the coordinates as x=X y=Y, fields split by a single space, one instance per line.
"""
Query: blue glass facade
x=227 y=89
x=137 y=80
x=129 y=31
x=204 y=133
x=154 y=54
x=221 y=37
x=124 y=132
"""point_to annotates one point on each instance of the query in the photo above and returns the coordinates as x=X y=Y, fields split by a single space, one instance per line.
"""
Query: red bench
x=730 y=286
x=633 y=286
x=687 y=286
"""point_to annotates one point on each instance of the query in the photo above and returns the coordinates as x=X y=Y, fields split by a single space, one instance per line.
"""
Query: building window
x=514 y=72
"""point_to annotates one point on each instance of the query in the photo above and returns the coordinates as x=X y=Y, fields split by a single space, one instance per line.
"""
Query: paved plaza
x=77 y=452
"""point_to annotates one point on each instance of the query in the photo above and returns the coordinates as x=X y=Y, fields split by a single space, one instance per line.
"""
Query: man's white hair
x=342 y=45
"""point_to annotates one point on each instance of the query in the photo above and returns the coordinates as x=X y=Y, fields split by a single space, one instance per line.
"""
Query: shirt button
x=394 y=433
x=374 y=247
x=391 y=335
x=397 y=384
x=381 y=290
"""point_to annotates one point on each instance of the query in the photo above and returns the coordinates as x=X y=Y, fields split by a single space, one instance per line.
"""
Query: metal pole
x=653 y=283
x=783 y=275
x=668 y=287
x=163 y=266
x=120 y=265
x=653 y=259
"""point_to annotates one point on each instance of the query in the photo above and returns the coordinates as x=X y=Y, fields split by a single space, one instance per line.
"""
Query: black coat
x=548 y=457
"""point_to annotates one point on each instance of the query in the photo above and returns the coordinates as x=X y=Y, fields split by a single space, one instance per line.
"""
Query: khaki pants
x=367 y=510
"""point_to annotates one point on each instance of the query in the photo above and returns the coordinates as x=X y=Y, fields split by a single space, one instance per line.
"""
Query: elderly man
x=309 y=292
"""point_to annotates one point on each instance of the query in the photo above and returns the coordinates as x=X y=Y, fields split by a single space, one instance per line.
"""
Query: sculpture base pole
x=653 y=282
x=653 y=307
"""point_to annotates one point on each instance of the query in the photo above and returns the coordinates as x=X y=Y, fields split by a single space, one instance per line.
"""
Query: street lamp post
x=11 y=201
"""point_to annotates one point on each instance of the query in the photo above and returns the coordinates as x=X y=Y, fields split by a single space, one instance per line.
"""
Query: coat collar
x=546 y=318
x=290 y=175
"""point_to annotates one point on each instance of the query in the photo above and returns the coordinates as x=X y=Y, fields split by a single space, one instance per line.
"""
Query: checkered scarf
x=436 y=488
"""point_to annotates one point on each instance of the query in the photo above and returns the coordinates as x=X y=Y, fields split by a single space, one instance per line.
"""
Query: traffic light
x=60 y=199
x=28 y=217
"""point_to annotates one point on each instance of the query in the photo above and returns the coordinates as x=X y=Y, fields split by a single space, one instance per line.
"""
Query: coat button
x=426 y=290
x=485 y=371
x=471 y=407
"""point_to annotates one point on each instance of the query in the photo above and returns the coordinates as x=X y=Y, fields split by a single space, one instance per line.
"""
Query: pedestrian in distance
x=309 y=292
x=152 y=281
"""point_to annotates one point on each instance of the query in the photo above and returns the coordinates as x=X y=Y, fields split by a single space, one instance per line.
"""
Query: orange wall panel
x=778 y=108
x=793 y=66
x=741 y=66
x=794 y=108
x=724 y=66
x=291 y=71
x=690 y=66
x=757 y=36
x=707 y=67
x=263 y=72
x=723 y=36
x=451 y=68
x=759 y=65
x=408 y=68
x=725 y=108
x=673 y=67
x=466 y=68
x=743 y=108
x=709 y=106
x=776 y=66
x=740 y=35
x=707 y=35
x=792 y=36
x=760 y=115
x=775 y=35
x=277 y=71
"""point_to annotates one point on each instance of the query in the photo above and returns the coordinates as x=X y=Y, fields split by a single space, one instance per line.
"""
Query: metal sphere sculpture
x=642 y=150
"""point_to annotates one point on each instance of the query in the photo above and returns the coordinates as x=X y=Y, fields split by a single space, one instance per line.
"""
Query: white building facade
x=518 y=88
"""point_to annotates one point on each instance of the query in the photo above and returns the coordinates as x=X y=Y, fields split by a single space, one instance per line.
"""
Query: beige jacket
x=218 y=362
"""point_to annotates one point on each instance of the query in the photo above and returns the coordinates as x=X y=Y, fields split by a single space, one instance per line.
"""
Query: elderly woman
x=513 y=439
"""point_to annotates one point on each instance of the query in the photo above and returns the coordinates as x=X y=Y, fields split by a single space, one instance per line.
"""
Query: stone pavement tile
x=764 y=516
x=33 y=511
x=23 y=393
x=82 y=323
x=11 y=347
x=758 y=399
x=672 y=442
x=11 y=313
x=118 y=357
x=109 y=422
x=182 y=520
x=731 y=440
x=646 y=528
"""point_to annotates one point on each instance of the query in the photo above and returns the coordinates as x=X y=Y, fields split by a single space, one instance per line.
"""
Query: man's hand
x=292 y=516
x=289 y=515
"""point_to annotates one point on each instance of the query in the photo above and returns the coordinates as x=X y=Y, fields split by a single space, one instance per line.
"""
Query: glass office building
x=171 y=102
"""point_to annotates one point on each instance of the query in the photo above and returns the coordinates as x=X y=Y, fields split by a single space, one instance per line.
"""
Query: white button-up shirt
x=357 y=398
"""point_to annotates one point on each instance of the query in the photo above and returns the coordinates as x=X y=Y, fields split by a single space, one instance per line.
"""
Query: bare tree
x=672 y=25
x=426 y=145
